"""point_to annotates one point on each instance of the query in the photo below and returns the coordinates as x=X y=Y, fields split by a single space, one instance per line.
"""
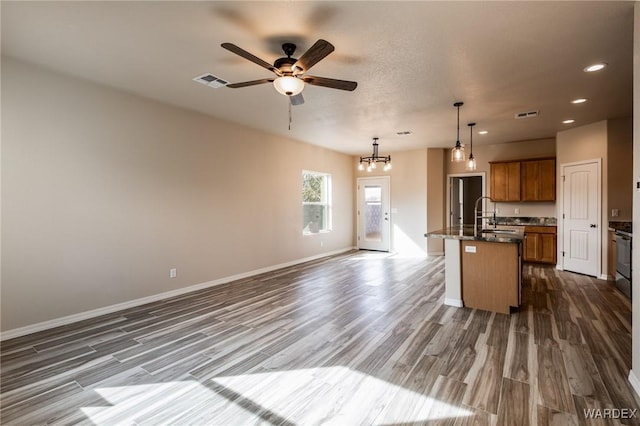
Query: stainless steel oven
x=623 y=262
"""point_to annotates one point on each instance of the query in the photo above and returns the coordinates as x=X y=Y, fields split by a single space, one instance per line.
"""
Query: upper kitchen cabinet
x=523 y=180
x=538 y=179
x=505 y=181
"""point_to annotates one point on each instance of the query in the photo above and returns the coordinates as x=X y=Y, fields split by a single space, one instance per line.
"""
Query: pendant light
x=471 y=162
x=457 y=153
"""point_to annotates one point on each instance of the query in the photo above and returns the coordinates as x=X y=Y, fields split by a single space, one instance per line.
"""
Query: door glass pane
x=373 y=213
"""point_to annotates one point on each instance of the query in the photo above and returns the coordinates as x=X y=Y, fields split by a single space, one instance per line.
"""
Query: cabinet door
x=547 y=180
x=505 y=181
x=530 y=173
x=538 y=180
x=547 y=248
x=531 y=247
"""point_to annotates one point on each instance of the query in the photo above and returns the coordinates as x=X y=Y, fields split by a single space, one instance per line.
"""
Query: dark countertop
x=466 y=233
x=623 y=226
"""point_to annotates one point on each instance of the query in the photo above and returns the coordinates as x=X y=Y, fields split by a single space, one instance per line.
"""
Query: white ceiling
x=412 y=61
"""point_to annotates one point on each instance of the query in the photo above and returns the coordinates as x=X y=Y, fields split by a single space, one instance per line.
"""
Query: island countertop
x=467 y=233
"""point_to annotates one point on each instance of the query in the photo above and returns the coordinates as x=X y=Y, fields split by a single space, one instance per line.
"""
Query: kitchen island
x=483 y=270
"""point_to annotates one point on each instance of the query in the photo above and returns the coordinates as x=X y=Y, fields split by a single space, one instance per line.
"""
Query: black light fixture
x=457 y=153
x=370 y=162
x=471 y=162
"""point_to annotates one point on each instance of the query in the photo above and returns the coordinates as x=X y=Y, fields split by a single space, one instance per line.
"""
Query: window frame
x=326 y=195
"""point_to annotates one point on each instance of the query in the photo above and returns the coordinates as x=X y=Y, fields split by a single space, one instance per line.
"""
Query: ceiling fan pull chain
x=289 y=115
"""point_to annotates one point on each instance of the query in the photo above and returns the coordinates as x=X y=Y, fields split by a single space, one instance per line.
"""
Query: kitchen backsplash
x=519 y=220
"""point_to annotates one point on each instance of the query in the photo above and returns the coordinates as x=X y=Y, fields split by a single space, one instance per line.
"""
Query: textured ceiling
x=412 y=61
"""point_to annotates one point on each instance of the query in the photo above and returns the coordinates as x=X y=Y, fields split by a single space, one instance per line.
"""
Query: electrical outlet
x=516 y=211
x=173 y=272
x=615 y=212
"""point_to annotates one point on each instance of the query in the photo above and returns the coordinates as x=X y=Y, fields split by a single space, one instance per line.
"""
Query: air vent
x=527 y=114
x=211 y=80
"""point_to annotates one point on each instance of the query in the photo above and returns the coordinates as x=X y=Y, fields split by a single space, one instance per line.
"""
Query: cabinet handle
x=593 y=225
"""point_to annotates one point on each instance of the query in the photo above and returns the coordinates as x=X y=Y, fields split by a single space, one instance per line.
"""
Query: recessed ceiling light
x=579 y=101
x=483 y=132
x=568 y=121
x=595 y=67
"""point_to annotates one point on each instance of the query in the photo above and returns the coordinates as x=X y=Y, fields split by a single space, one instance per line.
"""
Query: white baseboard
x=46 y=325
x=436 y=253
x=453 y=302
x=604 y=277
x=635 y=382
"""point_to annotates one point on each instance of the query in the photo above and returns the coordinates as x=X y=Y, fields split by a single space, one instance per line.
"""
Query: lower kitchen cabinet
x=540 y=244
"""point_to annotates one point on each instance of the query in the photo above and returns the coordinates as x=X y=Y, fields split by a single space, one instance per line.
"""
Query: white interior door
x=581 y=218
x=374 y=214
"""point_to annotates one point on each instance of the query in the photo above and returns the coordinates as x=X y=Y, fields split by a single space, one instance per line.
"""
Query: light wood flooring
x=360 y=338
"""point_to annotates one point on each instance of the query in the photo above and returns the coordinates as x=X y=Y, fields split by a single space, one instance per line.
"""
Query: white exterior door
x=581 y=218
x=374 y=215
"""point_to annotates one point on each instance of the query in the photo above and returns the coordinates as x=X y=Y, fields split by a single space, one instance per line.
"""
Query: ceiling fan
x=290 y=71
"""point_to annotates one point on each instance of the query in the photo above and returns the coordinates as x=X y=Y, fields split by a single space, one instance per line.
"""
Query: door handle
x=593 y=225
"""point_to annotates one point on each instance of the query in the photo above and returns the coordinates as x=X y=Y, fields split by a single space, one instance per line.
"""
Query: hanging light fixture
x=457 y=153
x=369 y=163
x=471 y=162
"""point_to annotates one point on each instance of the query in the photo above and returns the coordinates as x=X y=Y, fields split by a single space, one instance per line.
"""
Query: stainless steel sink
x=499 y=231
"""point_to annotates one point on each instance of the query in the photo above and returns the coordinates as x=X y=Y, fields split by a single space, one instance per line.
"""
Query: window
x=316 y=202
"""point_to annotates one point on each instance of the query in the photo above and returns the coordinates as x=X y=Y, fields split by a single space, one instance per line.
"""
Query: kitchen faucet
x=482 y=216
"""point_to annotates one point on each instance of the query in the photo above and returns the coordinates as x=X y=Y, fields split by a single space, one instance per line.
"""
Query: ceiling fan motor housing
x=285 y=65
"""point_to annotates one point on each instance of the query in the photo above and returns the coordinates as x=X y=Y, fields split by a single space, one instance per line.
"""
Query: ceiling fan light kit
x=288 y=85
x=457 y=153
x=369 y=163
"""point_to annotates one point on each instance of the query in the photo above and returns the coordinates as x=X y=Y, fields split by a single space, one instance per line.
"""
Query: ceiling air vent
x=527 y=114
x=211 y=80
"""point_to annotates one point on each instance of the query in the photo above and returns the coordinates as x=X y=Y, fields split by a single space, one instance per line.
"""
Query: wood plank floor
x=360 y=338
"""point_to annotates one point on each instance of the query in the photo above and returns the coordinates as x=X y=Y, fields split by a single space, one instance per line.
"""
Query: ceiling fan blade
x=250 y=83
x=241 y=52
x=315 y=54
x=296 y=99
x=330 y=82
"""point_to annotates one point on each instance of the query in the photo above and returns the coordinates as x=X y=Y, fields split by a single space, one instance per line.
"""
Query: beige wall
x=582 y=143
x=620 y=166
x=435 y=197
x=103 y=192
x=408 y=198
x=511 y=151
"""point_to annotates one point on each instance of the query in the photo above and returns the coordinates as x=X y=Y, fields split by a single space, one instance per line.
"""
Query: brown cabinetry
x=490 y=275
x=523 y=180
x=505 y=181
x=540 y=244
x=538 y=180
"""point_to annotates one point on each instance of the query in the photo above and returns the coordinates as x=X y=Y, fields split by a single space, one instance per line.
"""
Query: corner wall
x=634 y=374
x=103 y=192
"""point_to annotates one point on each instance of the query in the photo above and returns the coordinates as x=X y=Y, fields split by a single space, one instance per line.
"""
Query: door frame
x=388 y=183
x=560 y=220
x=483 y=175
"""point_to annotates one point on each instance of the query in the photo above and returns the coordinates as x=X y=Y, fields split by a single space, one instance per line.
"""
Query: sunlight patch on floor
x=331 y=395
x=337 y=395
